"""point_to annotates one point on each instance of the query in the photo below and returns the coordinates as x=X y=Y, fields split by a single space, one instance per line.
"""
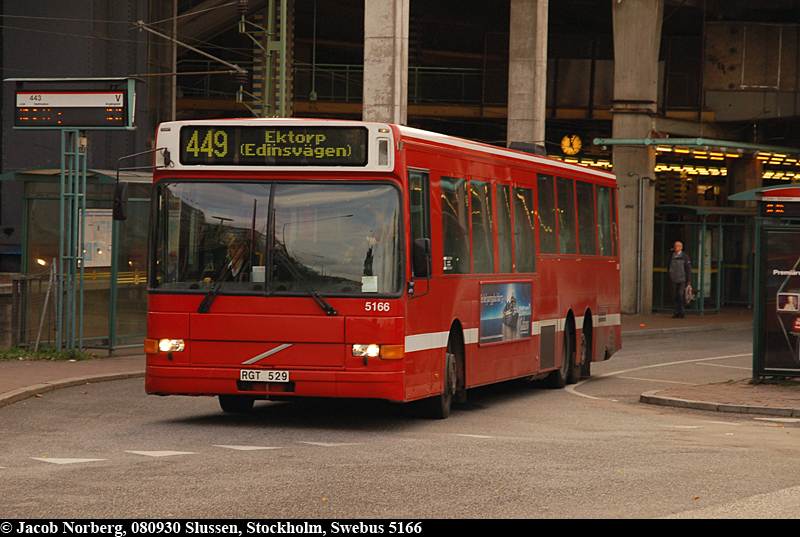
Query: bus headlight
x=370 y=351
x=384 y=352
x=171 y=345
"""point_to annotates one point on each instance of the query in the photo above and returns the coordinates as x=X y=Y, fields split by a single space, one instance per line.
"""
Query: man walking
x=680 y=273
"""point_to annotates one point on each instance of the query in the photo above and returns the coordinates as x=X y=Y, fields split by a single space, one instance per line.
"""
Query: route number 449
x=376 y=306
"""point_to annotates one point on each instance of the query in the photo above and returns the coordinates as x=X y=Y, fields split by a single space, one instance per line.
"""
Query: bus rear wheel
x=236 y=404
x=586 y=355
x=576 y=371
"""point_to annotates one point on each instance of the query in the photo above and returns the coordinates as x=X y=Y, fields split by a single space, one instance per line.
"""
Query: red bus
x=323 y=258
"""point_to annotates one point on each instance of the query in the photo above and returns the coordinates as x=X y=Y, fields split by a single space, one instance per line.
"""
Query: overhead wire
x=199 y=42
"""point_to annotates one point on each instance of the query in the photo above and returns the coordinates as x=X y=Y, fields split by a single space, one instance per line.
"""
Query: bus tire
x=576 y=371
x=586 y=355
x=236 y=404
x=558 y=379
x=438 y=406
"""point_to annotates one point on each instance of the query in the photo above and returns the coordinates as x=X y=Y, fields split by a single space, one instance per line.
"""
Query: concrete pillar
x=386 y=61
x=744 y=173
x=527 y=74
x=637 y=38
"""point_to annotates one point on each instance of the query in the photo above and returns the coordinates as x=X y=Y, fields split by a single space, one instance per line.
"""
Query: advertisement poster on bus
x=505 y=312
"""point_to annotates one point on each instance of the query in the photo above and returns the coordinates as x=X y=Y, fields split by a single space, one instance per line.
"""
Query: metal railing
x=27 y=311
x=345 y=83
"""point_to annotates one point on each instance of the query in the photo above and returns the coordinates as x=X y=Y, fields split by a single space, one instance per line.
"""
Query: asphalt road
x=110 y=451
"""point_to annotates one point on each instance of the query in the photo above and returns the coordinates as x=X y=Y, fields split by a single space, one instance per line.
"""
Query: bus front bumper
x=177 y=380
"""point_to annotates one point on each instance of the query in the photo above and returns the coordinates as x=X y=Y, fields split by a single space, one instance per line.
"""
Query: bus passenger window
x=547 y=215
x=606 y=239
x=567 y=239
x=504 y=237
x=482 y=230
x=524 y=226
x=587 y=233
x=455 y=226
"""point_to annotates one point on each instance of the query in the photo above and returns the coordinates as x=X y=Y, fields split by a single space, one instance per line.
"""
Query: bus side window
x=482 y=232
x=524 y=229
x=604 y=221
x=420 y=204
x=587 y=231
x=419 y=193
x=455 y=225
x=504 y=232
x=567 y=235
x=547 y=215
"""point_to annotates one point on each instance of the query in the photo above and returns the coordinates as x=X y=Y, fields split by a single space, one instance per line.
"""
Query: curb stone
x=19 y=394
x=665 y=332
x=652 y=399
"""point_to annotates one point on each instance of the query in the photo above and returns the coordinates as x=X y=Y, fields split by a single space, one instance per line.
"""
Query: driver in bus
x=238 y=267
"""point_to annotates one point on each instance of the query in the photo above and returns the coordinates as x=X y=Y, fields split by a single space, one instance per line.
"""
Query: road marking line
x=474 y=435
x=571 y=388
x=724 y=423
x=729 y=366
x=784 y=420
x=245 y=448
x=658 y=380
x=65 y=461
x=161 y=453
x=331 y=444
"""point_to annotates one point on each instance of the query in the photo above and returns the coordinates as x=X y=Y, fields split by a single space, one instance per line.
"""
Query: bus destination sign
x=70 y=109
x=230 y=145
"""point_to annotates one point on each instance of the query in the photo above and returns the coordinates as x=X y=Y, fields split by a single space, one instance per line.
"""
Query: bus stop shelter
x=115 y=267
x=719 y=241
x=776 y=321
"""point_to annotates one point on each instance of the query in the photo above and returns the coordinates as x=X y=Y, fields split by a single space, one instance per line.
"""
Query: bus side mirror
x=421 y=258
x=120 y=210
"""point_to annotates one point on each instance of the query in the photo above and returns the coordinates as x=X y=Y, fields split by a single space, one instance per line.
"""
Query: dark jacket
x=680 y=268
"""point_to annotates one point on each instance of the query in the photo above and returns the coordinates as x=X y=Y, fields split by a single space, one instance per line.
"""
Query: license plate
x=263 y=375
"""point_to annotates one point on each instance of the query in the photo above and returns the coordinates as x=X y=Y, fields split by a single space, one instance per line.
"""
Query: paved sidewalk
x=742 y=396
x=20 y=379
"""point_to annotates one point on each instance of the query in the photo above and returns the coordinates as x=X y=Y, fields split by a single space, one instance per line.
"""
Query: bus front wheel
x=236 y=403
x=558 y=379
x=438 y=406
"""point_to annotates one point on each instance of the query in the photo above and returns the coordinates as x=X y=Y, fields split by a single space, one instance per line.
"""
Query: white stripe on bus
x=438 y=340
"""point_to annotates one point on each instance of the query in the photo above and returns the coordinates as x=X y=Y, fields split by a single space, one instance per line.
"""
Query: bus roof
x=461 y=143
x=408 y=133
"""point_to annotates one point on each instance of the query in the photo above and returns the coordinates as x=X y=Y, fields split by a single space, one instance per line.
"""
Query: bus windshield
x=278 y=238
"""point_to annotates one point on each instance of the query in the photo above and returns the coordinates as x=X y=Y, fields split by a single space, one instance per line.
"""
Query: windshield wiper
x=205 y=305
x=319 y=299
x=216 y=285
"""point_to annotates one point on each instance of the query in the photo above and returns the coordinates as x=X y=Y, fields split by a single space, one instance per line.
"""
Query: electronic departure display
x=71 y=109
x=222 y=145
x=780 y=208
